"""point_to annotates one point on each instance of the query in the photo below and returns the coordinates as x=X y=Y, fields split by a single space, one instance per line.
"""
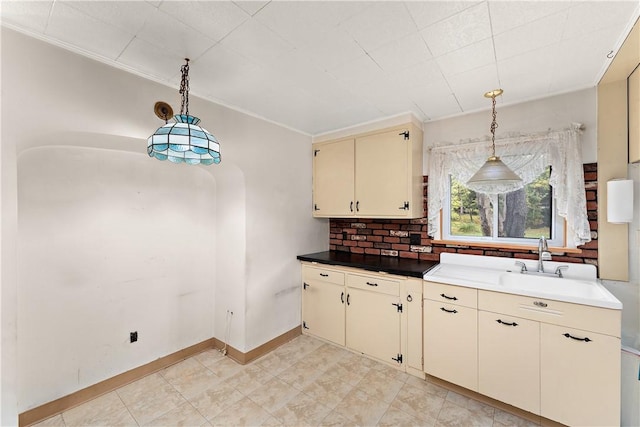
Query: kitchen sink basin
x=553 y=287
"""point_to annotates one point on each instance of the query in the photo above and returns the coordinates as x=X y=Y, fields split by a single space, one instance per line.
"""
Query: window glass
x=521 y=215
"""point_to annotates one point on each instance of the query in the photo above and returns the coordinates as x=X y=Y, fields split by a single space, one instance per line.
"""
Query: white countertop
x=579 y=284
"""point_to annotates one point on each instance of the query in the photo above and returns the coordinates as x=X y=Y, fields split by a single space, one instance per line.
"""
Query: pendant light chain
x=184 y=88
x=494 y=125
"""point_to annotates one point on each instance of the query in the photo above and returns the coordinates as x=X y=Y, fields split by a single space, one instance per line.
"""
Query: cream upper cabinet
x=451 y=334
x=333 y=178
x=509 y=360
x=580 y=376
x=634 y=116
x=323 y=303
x=372 y=175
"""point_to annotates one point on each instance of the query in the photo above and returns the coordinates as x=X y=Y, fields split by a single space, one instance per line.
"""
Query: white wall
x=554 y=113
x=77 y=126
x=109 y=243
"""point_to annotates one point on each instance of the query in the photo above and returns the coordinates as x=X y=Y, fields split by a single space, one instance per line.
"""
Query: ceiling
x=318 y=66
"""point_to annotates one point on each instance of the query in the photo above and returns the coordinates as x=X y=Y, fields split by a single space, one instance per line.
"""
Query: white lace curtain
x=528 y=156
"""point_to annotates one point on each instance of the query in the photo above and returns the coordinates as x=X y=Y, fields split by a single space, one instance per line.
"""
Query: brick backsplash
x=408 y=238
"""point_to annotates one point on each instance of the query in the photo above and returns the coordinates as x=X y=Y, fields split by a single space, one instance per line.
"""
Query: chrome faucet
x=543 y=254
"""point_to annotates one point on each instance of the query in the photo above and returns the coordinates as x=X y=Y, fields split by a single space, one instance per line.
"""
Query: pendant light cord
x=184 y=88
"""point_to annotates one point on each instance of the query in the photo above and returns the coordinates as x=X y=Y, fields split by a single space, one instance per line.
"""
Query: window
x=519 y=217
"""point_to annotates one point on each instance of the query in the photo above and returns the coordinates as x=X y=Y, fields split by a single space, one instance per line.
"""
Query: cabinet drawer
x=459 y=295
x=374 y=283
x=322 y=275
x=596 y=319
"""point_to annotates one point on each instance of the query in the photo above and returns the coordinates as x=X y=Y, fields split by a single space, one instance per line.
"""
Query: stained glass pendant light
x=183 y=141
x=493 y=171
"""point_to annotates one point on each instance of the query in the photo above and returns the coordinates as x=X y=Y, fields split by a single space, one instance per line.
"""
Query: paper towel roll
x=620 y=201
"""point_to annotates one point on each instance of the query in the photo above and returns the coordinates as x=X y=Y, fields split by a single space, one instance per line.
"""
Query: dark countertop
x=391 y=265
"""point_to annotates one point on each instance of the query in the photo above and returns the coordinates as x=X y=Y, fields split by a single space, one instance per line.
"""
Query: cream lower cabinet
x=323 y=303
x=365 y=312
x=580 y=376
x=412 y=303
x=451 y=334
x=509 y=360
x=373 y=324
x=561 y=361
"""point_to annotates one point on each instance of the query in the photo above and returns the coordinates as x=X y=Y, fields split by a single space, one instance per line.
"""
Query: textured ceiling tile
x=85 y=32
x=425 y=13
x=506 y=15
x=589 y=16
x=151 y=60
x=379 y=24
x=251 y=7
x=254 y=40
x=518 y=69
x=436 y=100
x=417 y=75
x=128 y=15
x=219 y=67
x=214 y=19
x=358 y=71
x=166 y=32
x=402 y=53
x=467 y=58
x=29 y=15
x=331 y=48
x=469 y=88
x=543 y=32
x=467 y=27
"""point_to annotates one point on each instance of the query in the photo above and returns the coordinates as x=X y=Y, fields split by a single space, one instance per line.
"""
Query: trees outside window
x=526 y=213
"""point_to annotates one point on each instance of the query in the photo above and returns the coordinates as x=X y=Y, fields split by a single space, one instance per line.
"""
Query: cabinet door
x=451 y=343
x=413 y=308
x=509 y=360
x=333 y=179
x=383 y=175
x=373 y=324
x=323 y=311
x=580 y=379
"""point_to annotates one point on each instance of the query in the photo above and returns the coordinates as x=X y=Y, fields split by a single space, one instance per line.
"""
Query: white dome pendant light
x=493 y=171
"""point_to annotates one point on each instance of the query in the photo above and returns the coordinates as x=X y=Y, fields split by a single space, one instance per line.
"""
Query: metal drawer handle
x=448 y=311
x=372 y=284
x=540 y=303
x=506 y=323
x=585 y=339
x=324 y=275
x=342 y=297
x=448 y=297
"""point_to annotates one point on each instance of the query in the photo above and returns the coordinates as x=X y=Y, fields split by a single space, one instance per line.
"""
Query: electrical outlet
x=415 y=238
x=133 y=336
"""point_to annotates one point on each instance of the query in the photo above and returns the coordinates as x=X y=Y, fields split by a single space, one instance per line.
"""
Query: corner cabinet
x=375 y=314
x=371 y=175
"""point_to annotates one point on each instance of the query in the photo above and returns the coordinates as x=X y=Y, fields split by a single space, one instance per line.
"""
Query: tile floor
x=302 y=383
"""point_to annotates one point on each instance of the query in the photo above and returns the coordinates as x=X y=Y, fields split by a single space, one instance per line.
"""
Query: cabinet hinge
x=398 y=359
x=305 y=285
x=406 y=134
x=404 y=207
x=315 y=207
x=398 y=306
x=315 y=152
x=304 y=325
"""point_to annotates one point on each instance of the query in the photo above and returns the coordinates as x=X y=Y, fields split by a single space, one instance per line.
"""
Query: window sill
x=552 y=249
